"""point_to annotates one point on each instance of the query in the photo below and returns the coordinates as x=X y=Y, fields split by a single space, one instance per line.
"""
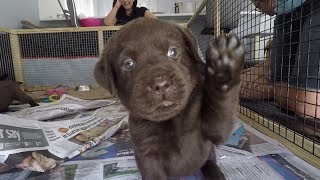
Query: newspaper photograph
x=119 y=145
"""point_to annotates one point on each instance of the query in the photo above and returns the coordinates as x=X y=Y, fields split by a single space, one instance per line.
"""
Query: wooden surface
x=16 y=57
x=67 y=29
x=3 y=29
x=217 y=17
x=197 y=13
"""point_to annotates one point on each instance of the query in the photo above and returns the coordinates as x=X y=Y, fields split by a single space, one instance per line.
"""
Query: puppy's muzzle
x=160 y=84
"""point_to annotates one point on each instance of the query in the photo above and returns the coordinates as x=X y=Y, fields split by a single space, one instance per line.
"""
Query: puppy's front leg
x=224 y=58
x=23 y=97
x=211 y=170
x=150 y=169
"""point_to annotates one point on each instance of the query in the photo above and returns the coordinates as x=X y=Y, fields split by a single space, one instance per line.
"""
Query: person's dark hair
x=121 y=9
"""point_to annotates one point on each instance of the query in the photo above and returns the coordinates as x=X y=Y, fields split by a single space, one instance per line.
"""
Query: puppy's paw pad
x=225 y=57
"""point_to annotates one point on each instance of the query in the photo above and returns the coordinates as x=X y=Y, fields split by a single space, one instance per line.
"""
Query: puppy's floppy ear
x=191 y=43
x=103 y=73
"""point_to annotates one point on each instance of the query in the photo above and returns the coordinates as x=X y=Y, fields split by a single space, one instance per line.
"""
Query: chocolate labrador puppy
x=10 y=91
x=177 y=113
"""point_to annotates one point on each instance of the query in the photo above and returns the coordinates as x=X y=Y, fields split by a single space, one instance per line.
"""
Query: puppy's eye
x=128 y=64
x=173 y=52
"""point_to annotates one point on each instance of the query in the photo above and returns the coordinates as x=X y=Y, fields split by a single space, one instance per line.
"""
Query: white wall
x=50 y=8
x=167 y=6
x=103 y=6
x=13 y=11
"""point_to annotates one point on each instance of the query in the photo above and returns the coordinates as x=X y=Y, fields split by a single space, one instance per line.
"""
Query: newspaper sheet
x=40 y=146
x=67 y=105
x=114 y=159
x=103 y=149
x=235 y=166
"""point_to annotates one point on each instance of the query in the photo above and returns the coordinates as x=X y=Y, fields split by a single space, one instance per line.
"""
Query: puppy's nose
x=160 y=85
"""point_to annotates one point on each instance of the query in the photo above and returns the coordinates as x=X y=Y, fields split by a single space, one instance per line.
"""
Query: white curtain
x=84 y=7
x=144 y=3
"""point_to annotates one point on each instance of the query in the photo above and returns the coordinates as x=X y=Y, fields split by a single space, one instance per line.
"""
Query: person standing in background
x=124 y=11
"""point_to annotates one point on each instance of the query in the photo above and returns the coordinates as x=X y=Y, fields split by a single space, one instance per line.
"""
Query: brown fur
x=177 y=113
x=10 y=91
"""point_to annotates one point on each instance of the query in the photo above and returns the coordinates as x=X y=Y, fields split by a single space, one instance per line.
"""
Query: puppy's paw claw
x=225 y=58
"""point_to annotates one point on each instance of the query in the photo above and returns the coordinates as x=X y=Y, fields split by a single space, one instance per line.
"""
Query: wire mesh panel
x=6 y=63
x=63 y=58
x=107 y=35
x=280 y=80
x=284 y=86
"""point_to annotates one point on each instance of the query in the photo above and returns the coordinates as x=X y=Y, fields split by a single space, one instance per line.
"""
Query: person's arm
x=265 y=6
x=110 y=19
x=149 y=14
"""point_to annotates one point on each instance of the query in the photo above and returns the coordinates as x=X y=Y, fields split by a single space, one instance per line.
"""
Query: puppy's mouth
x=166 y=103
x=161 y=109
x=158 y=104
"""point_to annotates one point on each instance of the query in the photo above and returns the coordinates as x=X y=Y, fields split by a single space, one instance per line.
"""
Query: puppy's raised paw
x=225 y=57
